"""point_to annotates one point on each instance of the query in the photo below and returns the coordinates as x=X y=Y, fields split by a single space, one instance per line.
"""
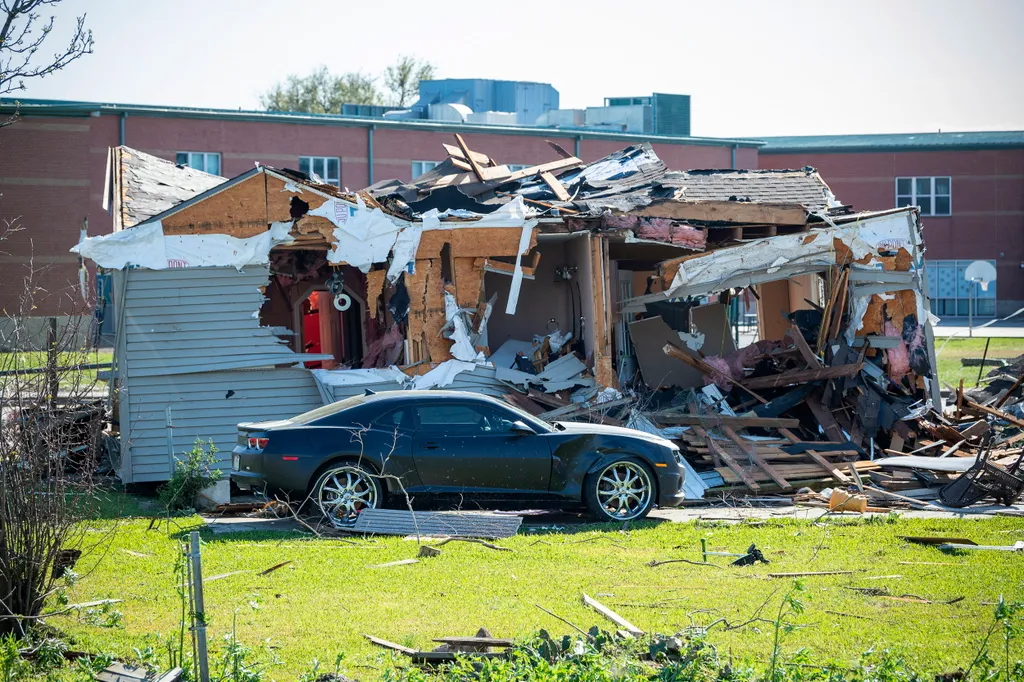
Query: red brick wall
x=987 y=220
x=53 y=170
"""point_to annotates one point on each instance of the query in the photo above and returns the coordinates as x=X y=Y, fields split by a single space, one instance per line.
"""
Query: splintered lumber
x=824 y=416
x=756 y=458
x=612 y=616
x=478 y=171
x=390 y=645
x=549 y=167
x=706 y=369
x=1016 y=385
x=475 y=641
x=714 y=420
x=802 y=376
x=812 y=360
x=733 y=465
x=559 y=149
x=1005 y=416
x=555 y=186
x=818 y=459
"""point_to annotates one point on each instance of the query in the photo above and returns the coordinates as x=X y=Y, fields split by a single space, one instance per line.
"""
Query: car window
x=396 y=419
x=461 y=420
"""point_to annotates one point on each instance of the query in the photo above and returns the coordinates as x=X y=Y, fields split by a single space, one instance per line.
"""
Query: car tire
x=622 y=490
x=344 y=490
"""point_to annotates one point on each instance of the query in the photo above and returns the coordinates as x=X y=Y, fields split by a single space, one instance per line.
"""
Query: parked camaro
x=356 y=453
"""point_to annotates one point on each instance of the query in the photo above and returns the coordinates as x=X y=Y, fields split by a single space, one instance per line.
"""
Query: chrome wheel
x=624 y=490
x=344 y=492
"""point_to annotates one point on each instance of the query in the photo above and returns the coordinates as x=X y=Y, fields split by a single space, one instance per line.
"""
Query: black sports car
x=355 y=453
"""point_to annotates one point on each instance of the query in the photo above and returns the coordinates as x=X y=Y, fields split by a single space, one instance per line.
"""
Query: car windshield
x=535 y=422
x=328 y=410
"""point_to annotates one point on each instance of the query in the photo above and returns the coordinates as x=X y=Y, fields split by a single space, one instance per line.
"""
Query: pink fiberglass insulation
x=898 y=358
x=663 y=230
x=620 y=222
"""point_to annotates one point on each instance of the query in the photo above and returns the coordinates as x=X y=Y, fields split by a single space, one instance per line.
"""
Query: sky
x=752 y=68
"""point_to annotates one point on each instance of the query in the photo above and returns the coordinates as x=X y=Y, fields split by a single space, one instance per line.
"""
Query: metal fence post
x=199 y=613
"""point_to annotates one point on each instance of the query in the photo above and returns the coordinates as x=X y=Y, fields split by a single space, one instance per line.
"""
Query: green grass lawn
x=36 y=359
x=950 y=352
x=330 y=594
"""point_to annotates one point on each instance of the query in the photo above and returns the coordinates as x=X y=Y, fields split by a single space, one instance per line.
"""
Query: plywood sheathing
x=246 y=210
x=469 y=281
x=239 y=211
x=416 y=284
x=374 y=288
x=473 y=242
x=438 y=347
x=879 y=310
x=603 y=371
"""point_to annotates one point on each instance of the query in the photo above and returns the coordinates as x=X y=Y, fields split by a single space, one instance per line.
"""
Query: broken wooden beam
x=612 y=616
x=706 y=369
x=802 y=376
x=713 y=420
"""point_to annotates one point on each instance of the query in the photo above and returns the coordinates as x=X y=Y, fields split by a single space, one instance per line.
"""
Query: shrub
x=192 y=474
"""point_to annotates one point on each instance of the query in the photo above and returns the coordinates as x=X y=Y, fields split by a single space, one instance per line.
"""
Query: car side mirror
x=521 y=429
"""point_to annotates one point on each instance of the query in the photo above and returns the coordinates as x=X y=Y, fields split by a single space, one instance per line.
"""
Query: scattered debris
x=453 y=524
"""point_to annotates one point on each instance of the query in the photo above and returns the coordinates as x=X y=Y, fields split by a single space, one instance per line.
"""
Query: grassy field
x=35 y=359
x=331 y=593
x=950 y=352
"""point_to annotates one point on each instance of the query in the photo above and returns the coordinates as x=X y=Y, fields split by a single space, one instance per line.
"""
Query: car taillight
x=258 y=443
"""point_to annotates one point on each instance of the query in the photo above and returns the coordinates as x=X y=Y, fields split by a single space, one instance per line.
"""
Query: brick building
x=970 y=187
x=53 y=173
x=53 y=164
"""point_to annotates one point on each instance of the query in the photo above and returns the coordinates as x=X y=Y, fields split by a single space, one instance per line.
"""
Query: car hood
x=265 y=426
x=576 y=427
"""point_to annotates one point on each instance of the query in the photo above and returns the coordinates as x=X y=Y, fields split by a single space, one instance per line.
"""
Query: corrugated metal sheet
x=452 y=524
x=193 y=362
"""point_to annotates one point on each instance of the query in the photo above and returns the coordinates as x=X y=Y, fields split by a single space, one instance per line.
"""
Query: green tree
x=321 y=92
x=402 y=79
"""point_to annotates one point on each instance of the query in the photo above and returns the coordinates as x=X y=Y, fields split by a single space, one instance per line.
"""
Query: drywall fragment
x=693 y=341
x=363 y=236
x=462 y=348
x=407 y=242
x=442 y=375
x=517 y=276
x=358 y=377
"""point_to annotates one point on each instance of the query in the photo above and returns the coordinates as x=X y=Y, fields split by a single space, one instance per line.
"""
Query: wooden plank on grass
x=611 y=615
x=390 y=645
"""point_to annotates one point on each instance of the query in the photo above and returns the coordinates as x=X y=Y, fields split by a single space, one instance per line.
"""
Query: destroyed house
x=553 y=287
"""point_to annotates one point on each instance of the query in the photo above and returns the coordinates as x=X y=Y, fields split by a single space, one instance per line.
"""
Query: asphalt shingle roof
x=802 y=186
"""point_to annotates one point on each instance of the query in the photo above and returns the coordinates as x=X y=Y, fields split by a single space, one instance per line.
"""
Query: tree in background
x=22 y=34
x=403 y=78
x=322 y=92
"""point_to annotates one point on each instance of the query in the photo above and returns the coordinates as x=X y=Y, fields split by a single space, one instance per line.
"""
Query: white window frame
x=422 y=167
x=914 y=195
x=199 y=160
x=317 y=163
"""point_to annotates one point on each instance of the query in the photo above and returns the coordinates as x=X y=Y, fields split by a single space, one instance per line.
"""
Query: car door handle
x=431 y=445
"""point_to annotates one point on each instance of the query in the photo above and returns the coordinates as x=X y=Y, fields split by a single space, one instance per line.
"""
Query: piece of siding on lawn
x=191 y=348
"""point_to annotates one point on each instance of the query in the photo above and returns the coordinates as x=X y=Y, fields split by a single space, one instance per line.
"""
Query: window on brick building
x=208 y=162
x=513 y=167
x=934 y=195
x=327 y=168
x=950 y=294
x=421 y=167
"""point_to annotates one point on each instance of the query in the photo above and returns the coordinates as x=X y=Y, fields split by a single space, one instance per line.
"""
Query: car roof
x=387 y=396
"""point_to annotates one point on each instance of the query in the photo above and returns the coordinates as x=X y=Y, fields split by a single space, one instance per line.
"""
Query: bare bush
x=50 y=421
